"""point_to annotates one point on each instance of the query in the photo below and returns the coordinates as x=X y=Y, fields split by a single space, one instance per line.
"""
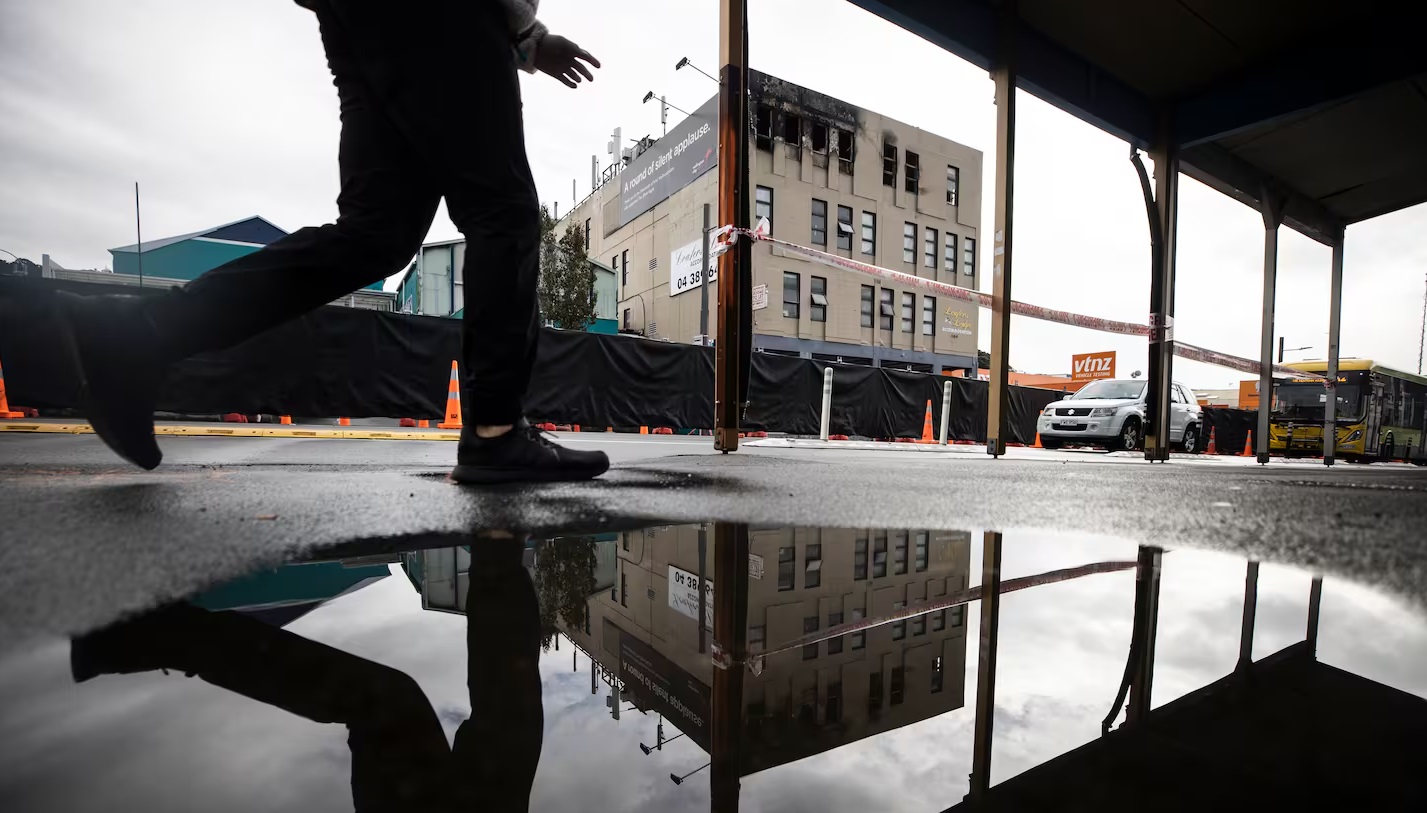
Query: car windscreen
x=1108 y=389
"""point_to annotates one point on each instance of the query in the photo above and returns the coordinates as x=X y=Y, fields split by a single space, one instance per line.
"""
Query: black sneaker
x=115 y=351
x=143 y=643
x=522 y=455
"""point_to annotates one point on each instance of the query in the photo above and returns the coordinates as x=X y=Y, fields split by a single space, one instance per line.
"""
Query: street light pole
x=679 y=780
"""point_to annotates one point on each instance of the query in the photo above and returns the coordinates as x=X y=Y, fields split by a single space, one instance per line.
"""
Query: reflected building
x=639 y=621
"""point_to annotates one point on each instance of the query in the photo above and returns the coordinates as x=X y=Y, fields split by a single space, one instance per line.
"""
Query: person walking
x=430 y=108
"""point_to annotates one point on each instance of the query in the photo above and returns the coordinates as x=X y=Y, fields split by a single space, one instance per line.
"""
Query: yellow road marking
x=241 y=430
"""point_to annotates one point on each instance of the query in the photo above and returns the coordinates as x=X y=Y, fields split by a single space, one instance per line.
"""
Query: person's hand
x=560 y=58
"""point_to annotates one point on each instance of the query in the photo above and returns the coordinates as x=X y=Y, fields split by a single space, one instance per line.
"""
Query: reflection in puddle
x=732 y=667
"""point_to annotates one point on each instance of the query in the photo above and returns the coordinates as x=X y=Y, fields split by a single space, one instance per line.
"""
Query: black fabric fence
x=344 y=362
x=1231 y=428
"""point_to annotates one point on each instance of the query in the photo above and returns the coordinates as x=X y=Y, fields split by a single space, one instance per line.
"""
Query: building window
x=626 y=319
x=587 y=232
x=819 y=297
x=874 y=693
x=867 y=302
x=587 y=618
x=793 y=135
x=938 y=673
x=812 y=566
x=898 y=685
x=859 y=559
x=763 y=127
x=626 y=541
x=810 y=625
x=886 y=309
x=624 y=264
x=844 y=152
x=969 y=251
x=879 y=555
x=763 y=206
x=869 y=233
x=844 y=228
x=909 y=304
x=834 y=645
x=792 y=292
x=919 y=625
x=924 y=538
x=949 y=257
x=929 y=251
x=819 y=137
x=939 y=621
x=614 y=263
x=833 y=710
x=889 y=164
x=953 y=180
x=786 y=564
x=623 y=589
x=819 y=222
x=914 y=172
x=858 y=639
x=899 y=628
x=899 y=554
x=928 y=315
x=909 y=243
x=958 y=615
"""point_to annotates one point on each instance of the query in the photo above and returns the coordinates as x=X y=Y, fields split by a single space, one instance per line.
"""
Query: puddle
x=834 y=670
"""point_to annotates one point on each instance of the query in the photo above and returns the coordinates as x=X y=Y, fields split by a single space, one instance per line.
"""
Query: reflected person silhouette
x=400 y=757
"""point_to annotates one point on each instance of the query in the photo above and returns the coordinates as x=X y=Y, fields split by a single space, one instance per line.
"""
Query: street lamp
x=659 y=744
x=679 y=780
x=1282 y=349
x=663 y=110
x=686 y=63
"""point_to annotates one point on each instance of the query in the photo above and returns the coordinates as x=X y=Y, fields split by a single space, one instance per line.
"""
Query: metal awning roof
x=1319 y=100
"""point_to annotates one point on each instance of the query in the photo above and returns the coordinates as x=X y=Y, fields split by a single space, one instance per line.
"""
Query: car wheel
x=1129 y=439
x=1190 y=443
x=1050 y=443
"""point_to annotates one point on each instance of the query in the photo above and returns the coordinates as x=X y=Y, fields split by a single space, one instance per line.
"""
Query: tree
x=564 y=581
x=567 y=280
x=983 y=359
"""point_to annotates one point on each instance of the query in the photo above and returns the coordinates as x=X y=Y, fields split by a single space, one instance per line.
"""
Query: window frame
x=885 y=309
x=949 y=255
x=912 y=173
x=930 y=244
x=844 y=240
x=869 y=233
x=759 y=206
x=817 y=287
x=816 y=231
x=795 y=304
x=869 y=305
x=929 y=316
x=909 y=311
x=909 y=242
x=968 y=255
x=791 y=561
x=889 y=164
x=953 y=185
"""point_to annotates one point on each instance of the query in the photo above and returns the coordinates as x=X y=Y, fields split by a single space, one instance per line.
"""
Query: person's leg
x=387 y=200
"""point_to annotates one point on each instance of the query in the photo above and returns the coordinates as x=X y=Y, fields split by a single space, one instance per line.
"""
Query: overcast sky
x=224 y=109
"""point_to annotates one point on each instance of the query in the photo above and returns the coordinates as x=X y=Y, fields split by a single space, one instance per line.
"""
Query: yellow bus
x=1381 y=414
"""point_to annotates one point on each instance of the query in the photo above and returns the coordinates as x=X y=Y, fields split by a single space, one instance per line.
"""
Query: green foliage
x=564 y=581
x=567 y=280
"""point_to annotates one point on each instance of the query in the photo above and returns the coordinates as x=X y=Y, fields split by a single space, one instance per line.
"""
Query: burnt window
x=793 y=135
x=763 y=127
x=914 y=172
x=889 y=164
x=844 y=152
x=819 y=134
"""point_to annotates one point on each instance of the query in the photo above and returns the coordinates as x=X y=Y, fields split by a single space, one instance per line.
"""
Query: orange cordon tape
x=1181 y=349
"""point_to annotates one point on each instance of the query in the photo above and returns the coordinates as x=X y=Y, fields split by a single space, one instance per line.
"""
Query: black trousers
x=430 y=105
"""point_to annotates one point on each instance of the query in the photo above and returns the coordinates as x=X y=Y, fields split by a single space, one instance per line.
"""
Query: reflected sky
x=156 y=741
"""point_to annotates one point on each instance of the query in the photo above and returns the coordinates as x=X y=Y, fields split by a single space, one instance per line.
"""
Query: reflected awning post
x=1335 y=311
x=998 y=407
x=1315 y=598
x=1251 y=605
x=1146 y=627
x=730 y=656
x=986 y=665
x=1272 y=211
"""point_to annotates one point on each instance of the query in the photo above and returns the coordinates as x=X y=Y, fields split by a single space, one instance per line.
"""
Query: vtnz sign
x=1090 y=366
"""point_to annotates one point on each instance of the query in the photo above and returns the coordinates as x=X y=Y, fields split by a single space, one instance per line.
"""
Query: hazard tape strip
x=241 y=431
x=983 y=300
x=956 y=599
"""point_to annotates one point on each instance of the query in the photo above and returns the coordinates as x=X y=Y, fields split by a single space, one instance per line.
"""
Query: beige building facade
x=829 y=176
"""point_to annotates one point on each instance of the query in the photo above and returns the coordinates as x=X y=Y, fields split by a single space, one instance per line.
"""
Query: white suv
x=1111 y=413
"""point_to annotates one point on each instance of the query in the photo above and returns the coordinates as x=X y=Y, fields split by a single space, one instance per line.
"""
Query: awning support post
x=998 y=415
x=1335 y=310
x=1271 y=207
x=1161 y=344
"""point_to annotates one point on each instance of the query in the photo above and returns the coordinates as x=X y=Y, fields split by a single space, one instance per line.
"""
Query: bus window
x=1307 y=401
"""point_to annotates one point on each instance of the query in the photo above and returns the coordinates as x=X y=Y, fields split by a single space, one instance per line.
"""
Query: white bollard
x=945 y=411
x=827 y=401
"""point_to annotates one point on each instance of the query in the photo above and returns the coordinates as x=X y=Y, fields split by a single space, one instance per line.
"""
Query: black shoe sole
x=465 y=474
x=98 y=419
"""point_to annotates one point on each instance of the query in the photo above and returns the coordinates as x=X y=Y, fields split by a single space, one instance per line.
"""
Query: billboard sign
x=760 y=297
x=688 y=151
x=1090 y=366
x=684 y=273
x=684 y=589
x=659 y=682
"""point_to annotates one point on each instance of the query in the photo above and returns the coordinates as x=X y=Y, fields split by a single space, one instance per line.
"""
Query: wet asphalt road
x=85 y=538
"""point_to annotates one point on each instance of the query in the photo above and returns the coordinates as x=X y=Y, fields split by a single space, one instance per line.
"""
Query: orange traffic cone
x=453 y=401
x=1037 y=443
x=423 y=424
x=1211 y=448
x=5 y=411
x=928 y=434
x=285 y=420
x=344 y=421
x=1248 y=446
x=643 y=430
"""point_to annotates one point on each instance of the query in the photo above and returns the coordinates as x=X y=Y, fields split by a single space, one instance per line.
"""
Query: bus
x=1381 y=414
